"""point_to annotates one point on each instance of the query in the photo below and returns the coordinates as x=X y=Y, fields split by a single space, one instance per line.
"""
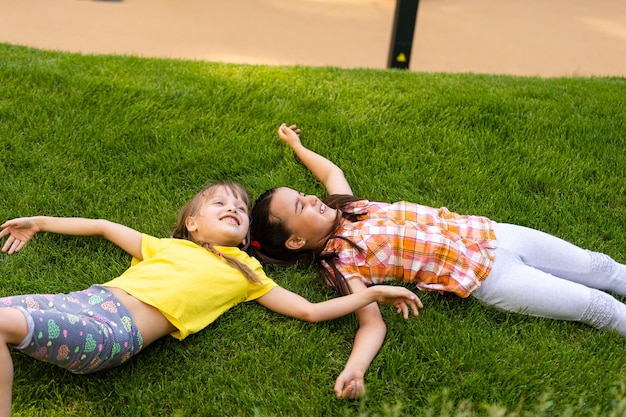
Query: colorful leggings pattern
x=83 y=332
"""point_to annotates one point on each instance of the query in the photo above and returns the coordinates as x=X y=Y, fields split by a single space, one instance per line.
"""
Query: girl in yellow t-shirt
x=174 y=286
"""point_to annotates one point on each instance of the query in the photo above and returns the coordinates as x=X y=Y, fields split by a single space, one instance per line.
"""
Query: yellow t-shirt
x=190 y=285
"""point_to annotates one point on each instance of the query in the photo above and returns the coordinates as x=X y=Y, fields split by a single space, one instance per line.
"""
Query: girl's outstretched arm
x=350 y=383
x=290 y=304
x=324 y=170
x=21 y=230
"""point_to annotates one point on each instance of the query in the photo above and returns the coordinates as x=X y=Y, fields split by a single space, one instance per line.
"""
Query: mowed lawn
x=131 y=139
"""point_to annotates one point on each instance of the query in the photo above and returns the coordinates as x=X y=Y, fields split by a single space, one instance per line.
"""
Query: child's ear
x=190 y=224
x=246 y=239
x=295 y=243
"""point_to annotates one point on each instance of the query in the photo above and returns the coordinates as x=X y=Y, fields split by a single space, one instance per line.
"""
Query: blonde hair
x=191 y=209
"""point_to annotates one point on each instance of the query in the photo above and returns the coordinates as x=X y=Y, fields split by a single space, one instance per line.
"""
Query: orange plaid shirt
x=434 y=248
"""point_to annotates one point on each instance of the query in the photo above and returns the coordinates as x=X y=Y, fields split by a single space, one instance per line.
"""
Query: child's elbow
x=313 y=314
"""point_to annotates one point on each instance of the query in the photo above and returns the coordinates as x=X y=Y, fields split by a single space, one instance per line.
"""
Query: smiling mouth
x=230 y=219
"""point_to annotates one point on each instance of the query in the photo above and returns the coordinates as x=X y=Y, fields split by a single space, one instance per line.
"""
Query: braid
x=235 y=263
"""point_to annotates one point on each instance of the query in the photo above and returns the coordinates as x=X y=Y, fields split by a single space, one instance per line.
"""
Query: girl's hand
x=290 y=135
x=19 y=231
x=399 y=297
x=350 y=385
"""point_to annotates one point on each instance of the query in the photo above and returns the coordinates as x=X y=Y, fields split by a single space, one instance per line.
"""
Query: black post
x=402 y=36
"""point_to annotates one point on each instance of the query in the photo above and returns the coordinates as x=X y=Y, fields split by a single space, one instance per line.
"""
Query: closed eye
x=300 y=205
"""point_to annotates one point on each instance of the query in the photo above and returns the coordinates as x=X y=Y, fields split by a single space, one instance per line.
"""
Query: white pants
x=541 y=275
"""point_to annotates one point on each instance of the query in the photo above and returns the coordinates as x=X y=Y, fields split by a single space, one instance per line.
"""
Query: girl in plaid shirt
x=359 y=243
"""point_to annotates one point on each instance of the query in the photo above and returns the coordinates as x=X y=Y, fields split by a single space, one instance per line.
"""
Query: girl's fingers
x=401 y=308
x=12 y=245
x=415 y=310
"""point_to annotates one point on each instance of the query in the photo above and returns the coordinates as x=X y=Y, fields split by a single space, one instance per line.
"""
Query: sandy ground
x=518 y=37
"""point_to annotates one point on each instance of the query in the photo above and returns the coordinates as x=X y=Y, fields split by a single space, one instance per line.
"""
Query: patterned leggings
x=83 y=332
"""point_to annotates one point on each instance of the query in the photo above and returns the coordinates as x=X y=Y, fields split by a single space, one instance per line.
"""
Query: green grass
x=132 y=139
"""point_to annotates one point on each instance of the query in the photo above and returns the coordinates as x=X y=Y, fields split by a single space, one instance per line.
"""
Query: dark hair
x=270 y=234
x=193 y=206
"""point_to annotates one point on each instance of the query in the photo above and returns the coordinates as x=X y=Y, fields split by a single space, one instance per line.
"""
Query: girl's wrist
x=376 y=292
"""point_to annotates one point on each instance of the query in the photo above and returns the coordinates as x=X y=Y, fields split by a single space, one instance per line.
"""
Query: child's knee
x=13 y=326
